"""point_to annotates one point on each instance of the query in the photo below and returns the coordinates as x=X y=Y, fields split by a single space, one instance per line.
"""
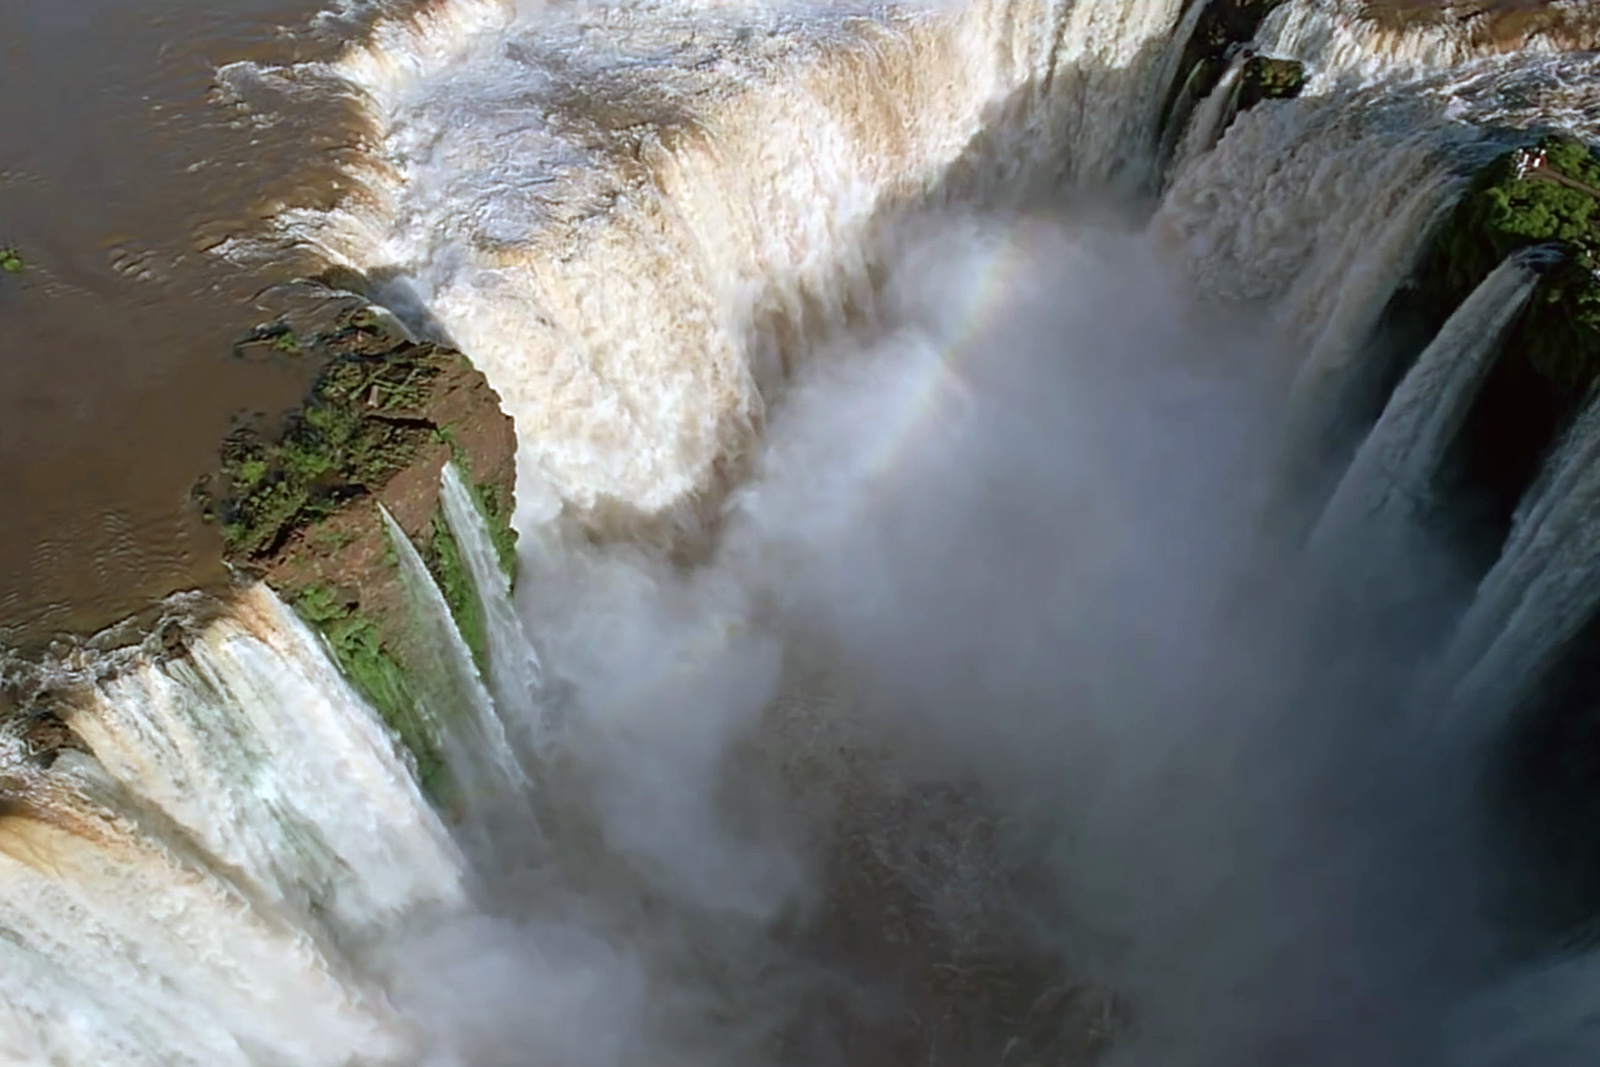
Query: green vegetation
x=376 y=674
x=277 y=337
x=1547 y=193
x=360 y=425
x=11 y=261
x=497 y=513
x=1267 y=78
x=296 y=507
x=332 y=539
x=1224 y=25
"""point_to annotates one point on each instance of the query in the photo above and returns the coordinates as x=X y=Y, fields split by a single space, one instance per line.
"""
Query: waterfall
x=1546 y=584
x=515 y=676
x=1401 y=455
x=457 y=709
x=242 y=824
x=1341 y=42
x=1206 y=125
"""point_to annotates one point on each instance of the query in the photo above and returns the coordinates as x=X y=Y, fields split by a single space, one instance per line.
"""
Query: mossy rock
x=1542 y=190
x=299 y=507
x=1267 y=78
x=1224 y=27
x=1545 y=193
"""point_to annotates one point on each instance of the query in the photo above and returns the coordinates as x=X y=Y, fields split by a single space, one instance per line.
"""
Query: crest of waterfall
x=515 y=676
x=458 y=713
x=633 y=220
x=1401 y=455
x=189 y=893
x=1319 y=207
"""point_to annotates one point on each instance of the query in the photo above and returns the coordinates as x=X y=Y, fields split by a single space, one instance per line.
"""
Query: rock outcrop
x=299 y=505
x=1221 y=36
x=1543 y=191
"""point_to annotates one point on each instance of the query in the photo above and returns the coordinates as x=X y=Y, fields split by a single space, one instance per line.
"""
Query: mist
x=1003 y=723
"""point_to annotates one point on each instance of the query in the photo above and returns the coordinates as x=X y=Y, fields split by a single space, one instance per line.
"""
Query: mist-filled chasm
x=976 y=602
x=994 y=726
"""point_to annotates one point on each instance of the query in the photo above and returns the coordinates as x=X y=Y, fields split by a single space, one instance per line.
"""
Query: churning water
x=944 y=634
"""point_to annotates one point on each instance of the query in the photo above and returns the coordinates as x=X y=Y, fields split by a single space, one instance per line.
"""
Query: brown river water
x=122 y=169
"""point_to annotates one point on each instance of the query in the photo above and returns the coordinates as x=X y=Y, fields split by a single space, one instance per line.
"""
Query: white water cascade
x=1403 y=453
x=1544 y=587
x=244 y=822
x=887 y=451
x=458 y=711
x=515 y=676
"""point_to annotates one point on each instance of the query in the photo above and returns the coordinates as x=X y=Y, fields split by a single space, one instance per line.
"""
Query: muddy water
x=122 y=167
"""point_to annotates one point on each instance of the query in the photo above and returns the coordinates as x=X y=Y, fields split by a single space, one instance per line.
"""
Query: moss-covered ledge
x=1224 y=28
x=298 y=503
x=1542 y=190
x=1543 y=193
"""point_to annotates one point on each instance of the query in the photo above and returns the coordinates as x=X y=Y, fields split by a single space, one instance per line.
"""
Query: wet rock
x=1541 y=193
x=1546 y=193
x=1225 y=27
x=1267 y=78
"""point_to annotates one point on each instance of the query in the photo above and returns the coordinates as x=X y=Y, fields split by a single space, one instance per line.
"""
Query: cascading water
x=459 y=714
x=185 y=895
x=514 y=673
x=869 y=455
x=1405 y=451
x=1541 y=591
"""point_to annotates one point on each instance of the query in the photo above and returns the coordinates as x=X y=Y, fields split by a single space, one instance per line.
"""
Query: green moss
x=496 y=514
x=332 y=539
x=1223 y=25
x=376 y=674
x=11 y=261
x=1547 y=193
x=1267 y=78
x=449 y=570
x=355 y=430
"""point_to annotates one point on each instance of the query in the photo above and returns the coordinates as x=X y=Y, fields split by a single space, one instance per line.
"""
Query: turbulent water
x=944 y=631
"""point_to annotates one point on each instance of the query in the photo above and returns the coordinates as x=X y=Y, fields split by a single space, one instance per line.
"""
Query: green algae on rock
x=299 y=508
x=1542 y=191
x=1224 y=27
x=1546 y=193
x=1267 y=78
